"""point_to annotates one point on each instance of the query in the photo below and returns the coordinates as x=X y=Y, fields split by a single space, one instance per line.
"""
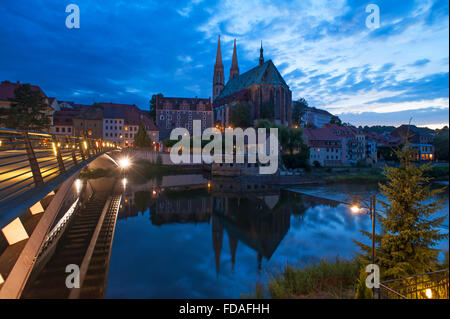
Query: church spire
x=234 y=71
x=219 y=54
x=261 y=57
x=219 y=77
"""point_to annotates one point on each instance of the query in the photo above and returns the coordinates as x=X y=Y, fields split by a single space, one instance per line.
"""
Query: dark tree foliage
x=141 y=139
x=240 y=115
x=290 y=139
x=335 y=120
x=441 y=144
x=299 y=108
x=97 y=105
x=267 y=111
x=28 y=110
x=409 y=231
x=152 y=112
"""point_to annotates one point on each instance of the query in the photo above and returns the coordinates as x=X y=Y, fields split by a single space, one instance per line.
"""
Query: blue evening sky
x=125 y=51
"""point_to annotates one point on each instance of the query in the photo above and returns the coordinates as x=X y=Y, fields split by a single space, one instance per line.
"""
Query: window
x=69 y=129
x=63 y=129
x=57 y=129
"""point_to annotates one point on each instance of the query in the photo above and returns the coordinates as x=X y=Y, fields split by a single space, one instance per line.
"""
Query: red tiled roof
x=7 y=90
x=65 y=117
x=135 y=116
x=321 y=134
x=176 y=102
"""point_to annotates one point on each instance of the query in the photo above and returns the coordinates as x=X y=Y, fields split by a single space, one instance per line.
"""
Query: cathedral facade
x=262 y=85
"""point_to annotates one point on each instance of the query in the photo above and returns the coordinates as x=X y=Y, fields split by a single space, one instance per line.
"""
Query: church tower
x=234 y=71
x=261 y=57
x=218 y=78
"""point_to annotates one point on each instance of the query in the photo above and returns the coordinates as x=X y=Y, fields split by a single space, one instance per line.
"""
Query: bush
x=336 y=279
x=438 y=172
x=317 y=164
x=294 y=160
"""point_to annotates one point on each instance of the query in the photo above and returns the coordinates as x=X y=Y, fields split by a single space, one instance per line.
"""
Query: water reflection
x=258 y=216
x=174 y=241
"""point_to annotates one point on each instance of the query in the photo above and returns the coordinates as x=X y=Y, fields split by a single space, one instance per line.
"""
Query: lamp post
x=356 y=209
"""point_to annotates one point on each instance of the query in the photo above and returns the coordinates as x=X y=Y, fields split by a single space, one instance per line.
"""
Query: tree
x=294 y=139
x=267 y=111
x=152 y=112
x=97 y=105
x=28 y=110
x=408 y=229
x=298 y=111
x=265 y=124
x=335 y=120
x=240 y=115
x=141 y=139
x=441 y=144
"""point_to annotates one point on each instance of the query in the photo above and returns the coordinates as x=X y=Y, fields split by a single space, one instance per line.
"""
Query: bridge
x=39 y=193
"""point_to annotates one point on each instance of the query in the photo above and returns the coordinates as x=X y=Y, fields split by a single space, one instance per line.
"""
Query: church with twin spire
x=262 y=88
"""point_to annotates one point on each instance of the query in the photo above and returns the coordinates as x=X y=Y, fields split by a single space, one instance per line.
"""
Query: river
x=217 y=241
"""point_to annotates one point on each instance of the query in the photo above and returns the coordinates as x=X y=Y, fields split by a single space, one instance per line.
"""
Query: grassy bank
x=356 y=178
x=327 y=279
x=438 y=173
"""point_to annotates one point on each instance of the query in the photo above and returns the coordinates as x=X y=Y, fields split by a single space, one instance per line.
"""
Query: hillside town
x=262 y=90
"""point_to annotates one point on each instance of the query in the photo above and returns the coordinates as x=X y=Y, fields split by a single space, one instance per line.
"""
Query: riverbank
x=336 y=279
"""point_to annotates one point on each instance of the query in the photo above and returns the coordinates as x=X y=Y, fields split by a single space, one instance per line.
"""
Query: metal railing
x=29 y=159
x=432 y=285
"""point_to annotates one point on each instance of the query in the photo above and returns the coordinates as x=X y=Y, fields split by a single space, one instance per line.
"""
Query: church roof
x=267 y=73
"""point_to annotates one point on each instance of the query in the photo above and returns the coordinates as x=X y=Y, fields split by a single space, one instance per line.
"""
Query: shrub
x=336 y=279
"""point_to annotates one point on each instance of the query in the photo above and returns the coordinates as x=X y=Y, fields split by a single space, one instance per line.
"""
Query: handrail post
x=61 y=167
x=88 y=149
x=80 y=144
x=34 y=165
x=72 y=150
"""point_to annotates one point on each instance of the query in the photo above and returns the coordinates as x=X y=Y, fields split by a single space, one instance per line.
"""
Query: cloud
x=322 y=48
x=420 y=62
x=431 y=117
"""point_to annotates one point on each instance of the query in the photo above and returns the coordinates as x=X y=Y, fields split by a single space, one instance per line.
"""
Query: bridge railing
x=29 y=159
x=432 y=285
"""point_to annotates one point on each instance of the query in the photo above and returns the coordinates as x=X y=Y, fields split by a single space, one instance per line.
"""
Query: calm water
x=199 y=243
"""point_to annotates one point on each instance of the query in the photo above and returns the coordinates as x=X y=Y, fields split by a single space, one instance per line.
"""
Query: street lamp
x=356 y=209
x=124 y=162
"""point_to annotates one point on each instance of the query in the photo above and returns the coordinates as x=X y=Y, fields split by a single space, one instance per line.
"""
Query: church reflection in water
x=257 y=216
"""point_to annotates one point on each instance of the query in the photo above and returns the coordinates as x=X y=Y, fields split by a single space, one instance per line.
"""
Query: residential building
x=114 y=123
x=134 y=118
x=63 y=122
x=315 y=117
x=7 y=94
x=325 y=146
x=121 y=123
x=420 y=139
x=88 y=122
x=173 y=112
